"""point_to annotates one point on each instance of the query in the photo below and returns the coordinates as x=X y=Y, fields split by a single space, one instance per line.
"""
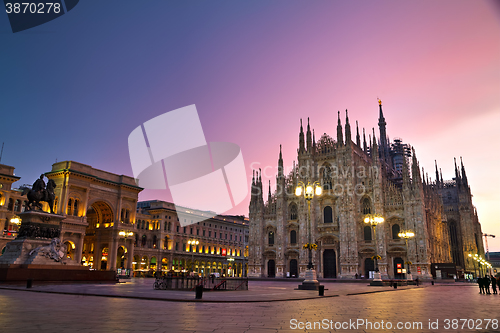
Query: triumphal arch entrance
x=100 y=210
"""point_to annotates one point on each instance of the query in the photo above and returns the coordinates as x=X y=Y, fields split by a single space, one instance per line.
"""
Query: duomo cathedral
x=360 y=177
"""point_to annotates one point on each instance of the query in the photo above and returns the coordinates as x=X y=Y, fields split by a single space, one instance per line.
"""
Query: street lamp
x=406 y=234
x=474 y=262
x=373 y=220
x=192 y=242
x=15 y=220
x=309 y=191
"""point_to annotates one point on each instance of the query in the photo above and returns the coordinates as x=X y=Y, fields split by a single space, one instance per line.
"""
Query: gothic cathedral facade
x=360 y=178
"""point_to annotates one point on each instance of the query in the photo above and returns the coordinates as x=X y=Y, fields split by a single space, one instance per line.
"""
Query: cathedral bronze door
x=329 y=264
x=271 y=269
x=294 y=272
x=399 y=265
x=369 y=267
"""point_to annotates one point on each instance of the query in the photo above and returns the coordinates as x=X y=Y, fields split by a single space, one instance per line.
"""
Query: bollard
x=199 y=291
x=321 y=290
x=29 y=283
x=395 y=285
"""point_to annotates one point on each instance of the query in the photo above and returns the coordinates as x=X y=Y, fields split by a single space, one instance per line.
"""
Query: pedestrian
x=487 y=284
x=481 y=285
x=416 y=280
x=494 y=284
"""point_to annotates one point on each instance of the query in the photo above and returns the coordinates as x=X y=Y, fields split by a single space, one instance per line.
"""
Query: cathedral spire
x=406 y=174
x=280 y=165
x=464 y=176
x=437 y=173
x=457 y=174
x=358 y=139
x=441 y=176
x=347 y=129
x=374 y=150
x=382 y=129
x=301 y=139
x=269 y=194
x=364 y=141
x=314 y=140
x=309 y=139
x=415 y=168
x=340 y=139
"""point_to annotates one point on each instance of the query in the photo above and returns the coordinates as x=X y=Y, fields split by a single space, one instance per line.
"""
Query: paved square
x=42 y=310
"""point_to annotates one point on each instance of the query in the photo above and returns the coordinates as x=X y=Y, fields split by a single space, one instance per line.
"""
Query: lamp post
x=407 y=234
x=309 y=191
x=373 y=220
x=474 y=262
x=192 y=242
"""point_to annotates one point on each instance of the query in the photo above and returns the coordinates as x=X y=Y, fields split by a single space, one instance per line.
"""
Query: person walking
x=481 y=285
x=494 y=284
x=487 y=284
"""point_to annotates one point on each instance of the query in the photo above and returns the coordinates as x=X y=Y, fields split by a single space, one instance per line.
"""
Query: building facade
x=359 y=177
x=106 y=228
x=216 y=245
x=11 y=203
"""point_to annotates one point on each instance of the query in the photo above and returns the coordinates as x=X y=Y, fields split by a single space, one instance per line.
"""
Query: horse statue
x=39 y=193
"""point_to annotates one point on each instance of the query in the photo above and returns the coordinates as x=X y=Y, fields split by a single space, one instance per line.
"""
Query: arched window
x=367 y=233
x=25 y=204
x=271 y=238
x=18 y=205
x=327 y=214
x=366 y=207
x=293 y=237
x=11 y=204
x=144 y=240
x=395 y=231
x=75 y=208
x=154 y=241
x=327 y=178
x=293 y=211
x=69 y=209
x=169 y=226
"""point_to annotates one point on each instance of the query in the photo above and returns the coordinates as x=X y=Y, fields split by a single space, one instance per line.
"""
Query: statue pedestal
x=37 y=253
x=310 y=282
x=377 y=279
x=36 y=242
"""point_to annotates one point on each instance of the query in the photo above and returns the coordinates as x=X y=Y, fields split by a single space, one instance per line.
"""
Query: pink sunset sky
x=253 y=70
x=436 y=68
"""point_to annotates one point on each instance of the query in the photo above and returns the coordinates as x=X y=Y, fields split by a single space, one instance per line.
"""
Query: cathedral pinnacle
x=340 y=137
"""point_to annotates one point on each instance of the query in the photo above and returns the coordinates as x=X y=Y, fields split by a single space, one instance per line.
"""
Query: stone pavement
x=25 y=311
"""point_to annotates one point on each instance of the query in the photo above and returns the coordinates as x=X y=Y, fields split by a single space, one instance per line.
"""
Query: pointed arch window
x=271 y=238
x=293 y=211
x=395 y=231
x=367 y=233
x=293 y=237
x=366 y=207
x=327 y=215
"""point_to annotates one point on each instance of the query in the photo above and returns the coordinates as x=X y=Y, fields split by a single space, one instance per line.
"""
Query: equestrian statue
x=39 y=193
